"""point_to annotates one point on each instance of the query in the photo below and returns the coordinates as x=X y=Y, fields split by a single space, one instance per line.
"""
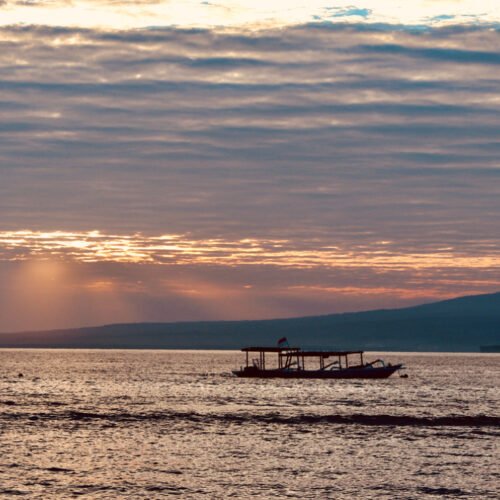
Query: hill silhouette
x=462 y=324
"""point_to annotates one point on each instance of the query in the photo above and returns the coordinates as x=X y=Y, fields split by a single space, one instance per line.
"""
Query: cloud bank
x=335 y=159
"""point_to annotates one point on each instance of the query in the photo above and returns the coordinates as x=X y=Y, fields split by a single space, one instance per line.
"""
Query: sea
x=112 y=424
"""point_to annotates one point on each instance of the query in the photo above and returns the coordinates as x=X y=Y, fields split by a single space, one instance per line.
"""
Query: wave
x=270 y=418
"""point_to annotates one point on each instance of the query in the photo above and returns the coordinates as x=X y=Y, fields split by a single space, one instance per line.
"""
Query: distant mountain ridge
x=462 y=324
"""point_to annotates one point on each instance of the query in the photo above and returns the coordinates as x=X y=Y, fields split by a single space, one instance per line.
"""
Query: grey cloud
x=451 y=55
x=297 y=132
x=210 y=63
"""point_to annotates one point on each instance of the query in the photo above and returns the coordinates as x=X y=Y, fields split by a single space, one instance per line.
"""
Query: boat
x=291 y=363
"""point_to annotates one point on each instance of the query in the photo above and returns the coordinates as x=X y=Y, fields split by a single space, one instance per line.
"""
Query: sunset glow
x=256 y=13
x=171 y=161
x=175 y=249
x=315 y=183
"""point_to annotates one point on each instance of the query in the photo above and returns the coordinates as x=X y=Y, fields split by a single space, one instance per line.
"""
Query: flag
x=283 y=342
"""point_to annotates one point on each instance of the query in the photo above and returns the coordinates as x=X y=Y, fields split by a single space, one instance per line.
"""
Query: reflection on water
x=149 y=424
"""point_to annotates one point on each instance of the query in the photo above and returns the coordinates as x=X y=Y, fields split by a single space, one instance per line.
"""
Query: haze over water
x=149 y=424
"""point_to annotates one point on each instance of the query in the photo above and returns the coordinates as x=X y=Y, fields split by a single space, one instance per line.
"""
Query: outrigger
x=332 y=364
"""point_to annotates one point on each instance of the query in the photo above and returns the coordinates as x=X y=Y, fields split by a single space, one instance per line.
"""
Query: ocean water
x=154 y=424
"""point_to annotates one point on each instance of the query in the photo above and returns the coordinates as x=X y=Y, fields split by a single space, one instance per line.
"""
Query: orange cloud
x=137 y=248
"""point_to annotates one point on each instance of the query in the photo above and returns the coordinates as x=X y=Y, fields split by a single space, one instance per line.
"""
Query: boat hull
x=346 y=373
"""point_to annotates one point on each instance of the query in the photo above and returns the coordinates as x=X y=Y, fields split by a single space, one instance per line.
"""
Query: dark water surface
x=153 y=424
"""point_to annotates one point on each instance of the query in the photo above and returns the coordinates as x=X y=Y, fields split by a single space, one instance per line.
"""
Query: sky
x=186 y=160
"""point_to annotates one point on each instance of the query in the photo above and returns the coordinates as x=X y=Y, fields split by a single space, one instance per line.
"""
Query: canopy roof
x=298 y=350
x=326 y=354
x=270 y=349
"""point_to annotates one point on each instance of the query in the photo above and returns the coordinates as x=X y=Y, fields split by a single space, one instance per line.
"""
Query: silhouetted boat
x=292 y=364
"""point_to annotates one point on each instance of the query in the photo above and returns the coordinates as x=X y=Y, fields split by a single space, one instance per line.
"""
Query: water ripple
x=270 y=418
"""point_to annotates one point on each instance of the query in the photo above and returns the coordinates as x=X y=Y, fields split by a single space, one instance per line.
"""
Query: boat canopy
x=326 y=354
x=270 y=349
x=298 y=350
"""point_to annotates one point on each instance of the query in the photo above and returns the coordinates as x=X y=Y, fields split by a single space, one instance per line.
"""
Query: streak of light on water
x=150 y=424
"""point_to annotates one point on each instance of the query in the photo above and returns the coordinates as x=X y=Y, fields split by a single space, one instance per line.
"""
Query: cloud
x=440 y=54
x=257 y=14
x=64 y=279
x=94 y=246
x=331 y=138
